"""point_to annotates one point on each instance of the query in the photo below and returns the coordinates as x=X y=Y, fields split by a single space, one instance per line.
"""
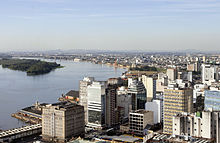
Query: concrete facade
x=203 y=125
x=62 y=121
x=139 y=119
x=176 y=101
x=156 y=107
x=150 y=85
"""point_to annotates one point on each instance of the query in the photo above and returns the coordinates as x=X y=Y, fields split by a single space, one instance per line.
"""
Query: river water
x=17 y=90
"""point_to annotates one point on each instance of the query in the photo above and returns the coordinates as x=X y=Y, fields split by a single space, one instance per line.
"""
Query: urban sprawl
x=161 y=98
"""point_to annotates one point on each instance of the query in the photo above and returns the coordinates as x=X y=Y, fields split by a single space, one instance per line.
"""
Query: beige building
x=172 y=74
x=202 y=125
x=176 y=101
x=161 y=82
x=139 y=119
x=62 y=121
x=150 y=85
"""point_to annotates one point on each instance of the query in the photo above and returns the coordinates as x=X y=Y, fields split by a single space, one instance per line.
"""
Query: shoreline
x=107 y=64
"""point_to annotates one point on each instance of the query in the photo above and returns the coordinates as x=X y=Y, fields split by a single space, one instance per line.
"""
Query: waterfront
x=19 y=90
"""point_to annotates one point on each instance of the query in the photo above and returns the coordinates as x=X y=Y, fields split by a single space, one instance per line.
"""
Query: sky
x=137 y=25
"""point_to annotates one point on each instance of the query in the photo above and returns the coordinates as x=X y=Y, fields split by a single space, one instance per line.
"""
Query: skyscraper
x=150 y=85
x=83 y=97
x=111 y=105
x=137 y=92
x=97 y=104
x=176 y=101
x=212 y=100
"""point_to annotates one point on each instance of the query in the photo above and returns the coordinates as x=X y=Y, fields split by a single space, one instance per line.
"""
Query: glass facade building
x=96 y=104
x=212 y=100
x=137 y=92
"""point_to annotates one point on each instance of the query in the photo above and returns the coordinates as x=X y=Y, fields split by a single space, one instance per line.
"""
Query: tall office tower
x=212 y=100
x=208 y=74
x=205 y=124
x=176 y=101
x=83 y=97
x=62 y=121
x=137 y=92
x=150 y=85
x=139 y=119
x=172 y=74
x=111 y=105
x=204 y=59
x=96 y=104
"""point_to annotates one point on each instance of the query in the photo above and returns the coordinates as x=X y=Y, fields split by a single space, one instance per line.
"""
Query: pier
x=18 y=133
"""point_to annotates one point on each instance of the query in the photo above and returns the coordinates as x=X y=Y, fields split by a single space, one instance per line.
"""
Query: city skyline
x=146 y=25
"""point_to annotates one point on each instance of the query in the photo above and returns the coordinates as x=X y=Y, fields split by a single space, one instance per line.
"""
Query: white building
x=96 y=104
x=204 y=125
x=157 y=107
x=198 y=90
x=208 y=74
x=83 y=97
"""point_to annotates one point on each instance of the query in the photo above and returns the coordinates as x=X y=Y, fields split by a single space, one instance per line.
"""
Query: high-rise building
x=212 y=100
x=161 y=82
x=62 y=121
x=139 y=119
x=176 y=101
x=137 y=92
x=172 y=74
x=208 y=74
x=156 y=107
x=111 y=105
x=204 y=125
x=83 y=97
x=150 y=85
x=97 y=104
x=124 y=101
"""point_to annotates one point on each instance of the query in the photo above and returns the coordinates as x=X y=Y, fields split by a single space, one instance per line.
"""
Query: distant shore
x=30 y=66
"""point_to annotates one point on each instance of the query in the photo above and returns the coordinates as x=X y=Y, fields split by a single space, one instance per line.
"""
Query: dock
x=18 y=133
x=32 y=114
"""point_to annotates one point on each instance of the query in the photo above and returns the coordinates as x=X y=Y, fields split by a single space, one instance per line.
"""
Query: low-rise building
x=139 y=119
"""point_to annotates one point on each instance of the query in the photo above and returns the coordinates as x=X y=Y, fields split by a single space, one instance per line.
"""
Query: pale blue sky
x=109 y=24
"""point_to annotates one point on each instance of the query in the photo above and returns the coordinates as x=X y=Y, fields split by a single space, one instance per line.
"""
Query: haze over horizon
x=147 y=25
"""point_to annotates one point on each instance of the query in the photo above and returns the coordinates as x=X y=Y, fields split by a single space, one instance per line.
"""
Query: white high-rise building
x=157 y=107
x=83 y=97
x=208 y=74
x=96 y=104
x=204 y=125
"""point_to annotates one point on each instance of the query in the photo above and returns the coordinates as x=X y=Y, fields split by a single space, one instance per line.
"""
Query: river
x=17 y=90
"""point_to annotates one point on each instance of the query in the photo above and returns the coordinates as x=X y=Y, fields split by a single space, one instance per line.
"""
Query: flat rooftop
x=140 y=111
